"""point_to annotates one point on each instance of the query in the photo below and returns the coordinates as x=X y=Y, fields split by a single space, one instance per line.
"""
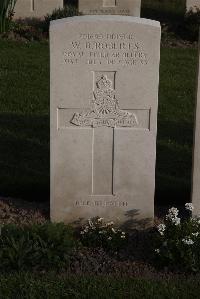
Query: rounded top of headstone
x=105 y=18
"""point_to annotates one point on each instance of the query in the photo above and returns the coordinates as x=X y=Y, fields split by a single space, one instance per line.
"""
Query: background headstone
x=110 y=7
x=35 y=8
x=196 y=157
x=192 y=5
x=104 y=97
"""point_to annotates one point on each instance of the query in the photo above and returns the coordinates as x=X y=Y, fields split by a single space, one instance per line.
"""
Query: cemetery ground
x=24 y=174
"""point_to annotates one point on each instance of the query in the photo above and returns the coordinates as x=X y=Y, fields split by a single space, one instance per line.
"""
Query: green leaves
x=6 y=14
x=178 y=246
x=100 y=234
x=41 y=247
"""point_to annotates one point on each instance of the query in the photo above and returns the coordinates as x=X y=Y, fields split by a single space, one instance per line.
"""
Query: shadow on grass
x=132 y=221
x=164 y=10
x=24 y=156
x=174 y=162
x=24 y=159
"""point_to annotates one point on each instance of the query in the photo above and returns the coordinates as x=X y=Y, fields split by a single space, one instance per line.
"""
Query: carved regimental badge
x=104 y=110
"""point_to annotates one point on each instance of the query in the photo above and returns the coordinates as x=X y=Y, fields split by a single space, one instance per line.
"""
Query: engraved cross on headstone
x=109 y=3
x=32 y=5
x=103 y=116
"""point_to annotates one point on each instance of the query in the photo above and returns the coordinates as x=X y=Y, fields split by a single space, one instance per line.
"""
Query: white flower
x=187 y=241
x=123 y=233
x=109 y=238
x=195 y=234
x=86 y=229
x=157 y=250
x=161 y=228
x=100 y=219
x=123 y=237
x=176 y=221
x=173 y=216
x=91 y=223
x=110 y=223
x=113 y=230
x=189 y=207
x=196 y=219
x=172 y=213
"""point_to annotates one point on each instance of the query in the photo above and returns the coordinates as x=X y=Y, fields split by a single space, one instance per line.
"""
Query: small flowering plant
x=178 y=243
x=100 y=234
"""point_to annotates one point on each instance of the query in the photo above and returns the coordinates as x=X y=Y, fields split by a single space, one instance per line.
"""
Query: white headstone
x=35 y=8
x=196 y=158
x=104 y=99
x=110 y=7
x=193 y=5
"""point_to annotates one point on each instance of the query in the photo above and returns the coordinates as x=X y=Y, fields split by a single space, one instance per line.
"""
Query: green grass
x=175 y=124
x=163 y=10
x=36 y=247
x=24 y=121
x=28 y=286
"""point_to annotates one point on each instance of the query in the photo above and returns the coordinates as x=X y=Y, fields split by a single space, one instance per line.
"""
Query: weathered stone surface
x=35 y=8
x=104 y=97
x=110 y=7
x=192 y=5
x=196 y=158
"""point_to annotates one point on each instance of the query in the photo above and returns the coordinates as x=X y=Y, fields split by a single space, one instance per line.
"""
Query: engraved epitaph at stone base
x=104 y=168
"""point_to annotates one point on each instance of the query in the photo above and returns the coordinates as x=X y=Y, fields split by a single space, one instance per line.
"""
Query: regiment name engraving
x=111 y=49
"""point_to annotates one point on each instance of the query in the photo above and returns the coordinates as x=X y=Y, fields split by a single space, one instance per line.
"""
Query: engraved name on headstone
x=104 y=94
x=35 y=8
x=110 y=7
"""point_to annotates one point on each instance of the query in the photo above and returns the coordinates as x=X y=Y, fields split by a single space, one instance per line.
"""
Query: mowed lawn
x=24 y=122
x=29 y=286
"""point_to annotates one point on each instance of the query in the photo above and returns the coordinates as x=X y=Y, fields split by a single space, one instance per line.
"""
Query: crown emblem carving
x=104 y=110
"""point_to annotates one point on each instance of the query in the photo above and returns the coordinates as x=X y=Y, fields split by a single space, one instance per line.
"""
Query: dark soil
x=170 y=42
x=98 y=262
x=18 y=211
